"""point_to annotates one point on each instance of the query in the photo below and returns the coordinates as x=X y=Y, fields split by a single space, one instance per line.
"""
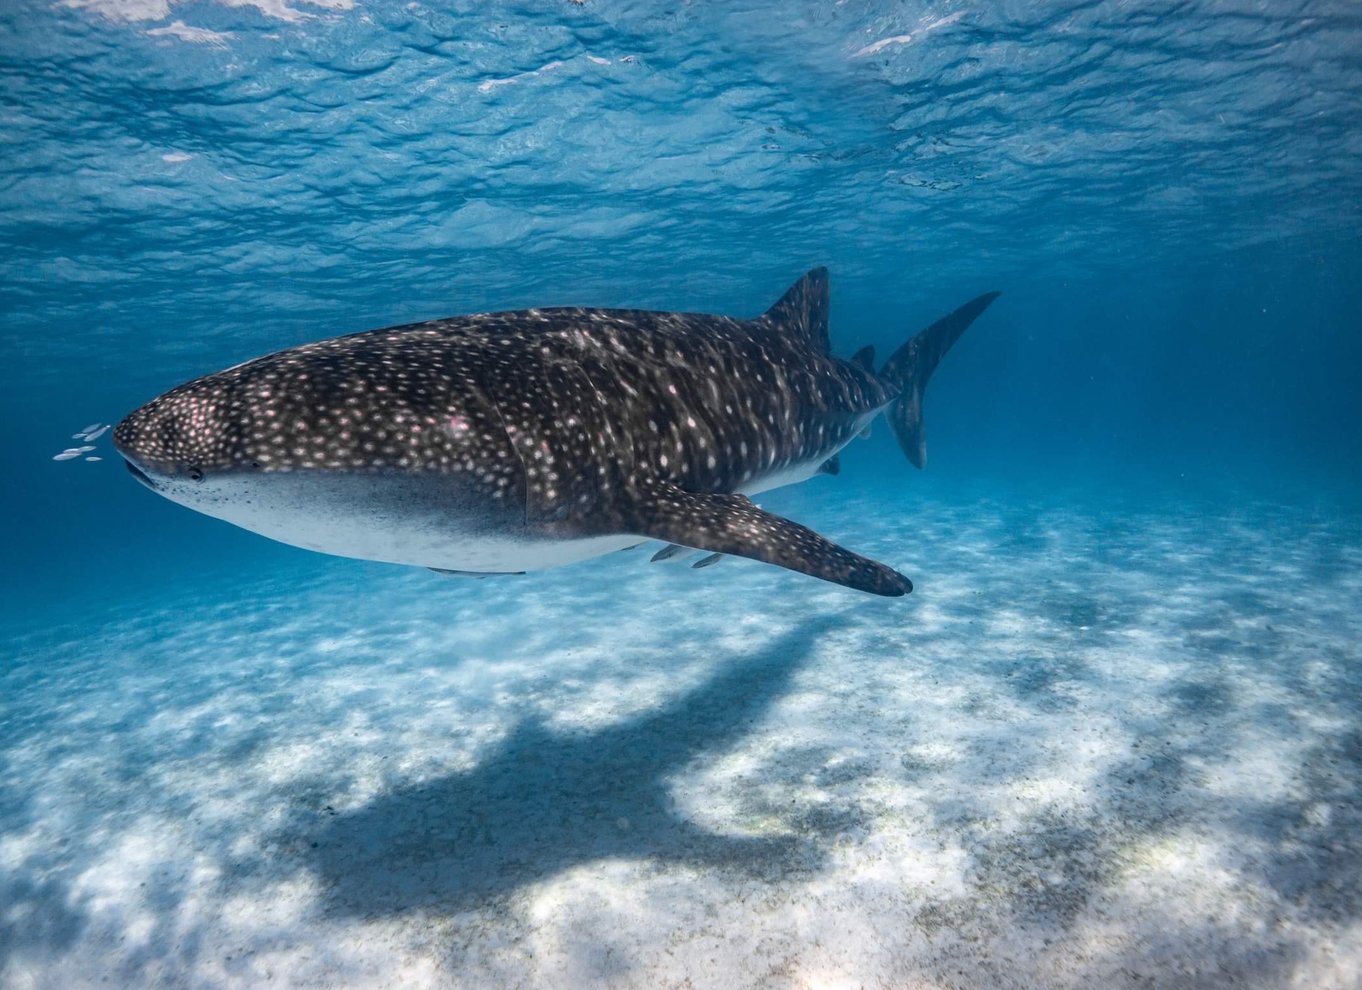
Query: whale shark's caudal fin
x=911 y=365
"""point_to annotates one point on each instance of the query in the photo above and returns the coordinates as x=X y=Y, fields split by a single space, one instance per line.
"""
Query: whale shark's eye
x=195 y=474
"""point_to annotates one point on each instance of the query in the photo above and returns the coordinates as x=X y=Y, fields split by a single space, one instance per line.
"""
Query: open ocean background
x=1113 y=738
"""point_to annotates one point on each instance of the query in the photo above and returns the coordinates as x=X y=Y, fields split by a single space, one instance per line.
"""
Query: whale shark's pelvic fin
x=731 y=524
x=803 y=310
x=833 y=465
x=912 y=364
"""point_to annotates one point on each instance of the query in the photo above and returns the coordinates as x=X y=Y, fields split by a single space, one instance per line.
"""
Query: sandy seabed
x=1101 y=745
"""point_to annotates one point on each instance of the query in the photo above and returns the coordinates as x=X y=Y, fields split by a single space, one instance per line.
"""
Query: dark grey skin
x=506 y=442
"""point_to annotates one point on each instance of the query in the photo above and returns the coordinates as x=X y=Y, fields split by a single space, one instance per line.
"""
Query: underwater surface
x=1113 y=737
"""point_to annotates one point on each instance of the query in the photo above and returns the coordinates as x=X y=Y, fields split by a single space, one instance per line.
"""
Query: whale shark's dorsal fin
x=864 y=358
x=731 y=524
x=803 y=310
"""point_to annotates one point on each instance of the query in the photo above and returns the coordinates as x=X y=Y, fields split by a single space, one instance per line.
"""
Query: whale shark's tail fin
x=911 y=365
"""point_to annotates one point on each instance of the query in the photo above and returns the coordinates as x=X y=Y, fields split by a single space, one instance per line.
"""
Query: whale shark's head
x=334 y=448
x=184 y=443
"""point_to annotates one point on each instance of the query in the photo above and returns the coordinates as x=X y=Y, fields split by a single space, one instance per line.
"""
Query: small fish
x=672 y=552
x=93 y=426
x=90 y=437
x=94 y=458
x=67 y=454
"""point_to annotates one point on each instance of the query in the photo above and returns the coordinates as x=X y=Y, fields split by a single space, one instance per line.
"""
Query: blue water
x=1140 y=526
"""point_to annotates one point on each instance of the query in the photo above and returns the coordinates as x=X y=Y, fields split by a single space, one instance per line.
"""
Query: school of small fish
x=91 y=433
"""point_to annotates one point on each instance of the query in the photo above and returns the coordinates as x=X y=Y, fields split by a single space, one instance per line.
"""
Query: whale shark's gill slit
x=515 y=447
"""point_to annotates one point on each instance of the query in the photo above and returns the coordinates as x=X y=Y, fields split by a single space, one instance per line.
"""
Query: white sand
x=1095 y=748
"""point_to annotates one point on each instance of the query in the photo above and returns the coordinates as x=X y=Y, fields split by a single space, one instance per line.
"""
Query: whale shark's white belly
x=393 y=519
x=407 y=520
x=396 y=540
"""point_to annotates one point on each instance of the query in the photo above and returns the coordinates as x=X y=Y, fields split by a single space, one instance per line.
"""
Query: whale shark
x=515 y=441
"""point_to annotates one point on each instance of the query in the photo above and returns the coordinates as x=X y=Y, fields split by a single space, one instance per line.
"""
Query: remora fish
x=516 y=441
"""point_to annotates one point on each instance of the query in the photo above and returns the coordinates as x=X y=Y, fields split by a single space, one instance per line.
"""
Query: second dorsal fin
x=803 y=310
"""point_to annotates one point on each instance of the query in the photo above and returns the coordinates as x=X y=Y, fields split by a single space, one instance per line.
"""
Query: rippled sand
x=1100 y=745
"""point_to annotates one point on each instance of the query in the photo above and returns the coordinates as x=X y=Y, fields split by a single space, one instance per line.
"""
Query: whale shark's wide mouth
x=139 y=474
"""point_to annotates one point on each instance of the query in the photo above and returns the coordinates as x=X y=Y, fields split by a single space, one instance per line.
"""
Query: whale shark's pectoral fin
x=731 y=524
